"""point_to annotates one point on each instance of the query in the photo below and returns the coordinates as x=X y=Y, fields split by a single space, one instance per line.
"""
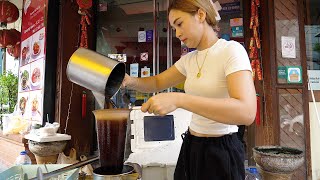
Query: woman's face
x=188 y=27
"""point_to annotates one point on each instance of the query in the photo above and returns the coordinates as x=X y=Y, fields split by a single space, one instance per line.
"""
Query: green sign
x=282 y=72
x=294 y=74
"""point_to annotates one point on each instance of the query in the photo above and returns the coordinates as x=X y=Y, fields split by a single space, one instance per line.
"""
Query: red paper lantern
x=9 y=38
x=17 y=51
x=10 y=51
x=9 y=13
x=16 y=35
x=14 y=51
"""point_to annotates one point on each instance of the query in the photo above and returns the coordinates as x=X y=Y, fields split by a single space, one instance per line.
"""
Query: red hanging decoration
x=256 y=69
x=258 y=119
x=255 y=44
x=84 y=105
x=84 y=6
x=253 y=9
x=9 y=12
x=258 y=3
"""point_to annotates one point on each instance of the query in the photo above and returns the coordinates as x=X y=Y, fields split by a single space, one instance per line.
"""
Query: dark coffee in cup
x=111 y=130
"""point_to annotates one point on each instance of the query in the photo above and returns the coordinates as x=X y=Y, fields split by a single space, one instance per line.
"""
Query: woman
x=219 y=91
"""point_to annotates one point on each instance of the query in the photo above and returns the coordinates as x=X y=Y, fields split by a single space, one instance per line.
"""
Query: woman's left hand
x=161 y=104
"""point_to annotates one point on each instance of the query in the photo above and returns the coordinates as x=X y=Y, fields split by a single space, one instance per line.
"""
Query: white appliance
x=157 y=157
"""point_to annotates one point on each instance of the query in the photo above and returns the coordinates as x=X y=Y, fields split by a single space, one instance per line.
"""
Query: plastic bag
x=16 y=125
x=72 y=158
x=87 y=169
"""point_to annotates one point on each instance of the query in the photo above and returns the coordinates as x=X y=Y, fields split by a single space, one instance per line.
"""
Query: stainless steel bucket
x=95 y=72
x=125 y=175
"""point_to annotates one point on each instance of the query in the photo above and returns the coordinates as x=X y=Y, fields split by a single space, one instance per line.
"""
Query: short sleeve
x=237 y=58
x=180 y=65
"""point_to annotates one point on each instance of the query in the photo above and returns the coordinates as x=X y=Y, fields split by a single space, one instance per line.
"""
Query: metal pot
x=95 y=72
x=127 y=174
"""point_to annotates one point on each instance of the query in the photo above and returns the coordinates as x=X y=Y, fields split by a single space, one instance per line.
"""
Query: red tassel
x=84 y=105
x=258 y=120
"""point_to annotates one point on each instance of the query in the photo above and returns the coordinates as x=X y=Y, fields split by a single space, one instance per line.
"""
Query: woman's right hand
x=128 y=82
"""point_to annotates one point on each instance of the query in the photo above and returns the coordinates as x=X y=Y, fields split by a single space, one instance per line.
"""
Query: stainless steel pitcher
x=95 y=72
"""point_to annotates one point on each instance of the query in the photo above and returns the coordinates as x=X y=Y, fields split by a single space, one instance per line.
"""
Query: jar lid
x=23 y=152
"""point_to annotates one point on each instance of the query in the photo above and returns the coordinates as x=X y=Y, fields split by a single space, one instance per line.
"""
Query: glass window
x=312 y=34
x=137 y=31
x=231 y=23
x=287 y=42
x=292 y=132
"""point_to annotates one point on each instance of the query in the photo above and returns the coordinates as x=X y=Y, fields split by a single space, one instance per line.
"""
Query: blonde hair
x=192 y=6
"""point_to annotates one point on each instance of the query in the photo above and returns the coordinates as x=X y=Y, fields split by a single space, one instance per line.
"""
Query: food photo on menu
x=35 y=102
x=35 y=78
x=22 y=103
x=37 y=45
x=36 y=74
x=36 y=48
x=24 y=79
x=25 y=52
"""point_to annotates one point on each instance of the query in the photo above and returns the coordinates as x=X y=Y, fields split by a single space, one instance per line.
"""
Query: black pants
x=220 y=158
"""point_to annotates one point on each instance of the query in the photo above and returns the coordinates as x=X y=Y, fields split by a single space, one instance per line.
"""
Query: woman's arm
x=239 y=109
x=164 y=80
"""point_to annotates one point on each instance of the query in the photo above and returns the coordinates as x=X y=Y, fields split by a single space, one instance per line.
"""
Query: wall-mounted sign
x=145 y=72
x=142 y=36
x=282 y=72
x=32 y=60
x=236 y=22
x=288 y=47
x=144 y=56
x=230 y=8
x=314 y=79
x=237 y=31
x=149 y=35
x=119 y=57
x=134 y=69
x=294 y=74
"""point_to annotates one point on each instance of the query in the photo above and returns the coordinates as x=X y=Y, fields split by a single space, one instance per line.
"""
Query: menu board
x=32 y=60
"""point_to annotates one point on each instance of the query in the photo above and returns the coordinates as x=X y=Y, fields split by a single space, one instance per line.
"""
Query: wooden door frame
x=271 y=125
x=305 y=92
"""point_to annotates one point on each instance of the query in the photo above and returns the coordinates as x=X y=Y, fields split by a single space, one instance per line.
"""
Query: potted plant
x=8 y=90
